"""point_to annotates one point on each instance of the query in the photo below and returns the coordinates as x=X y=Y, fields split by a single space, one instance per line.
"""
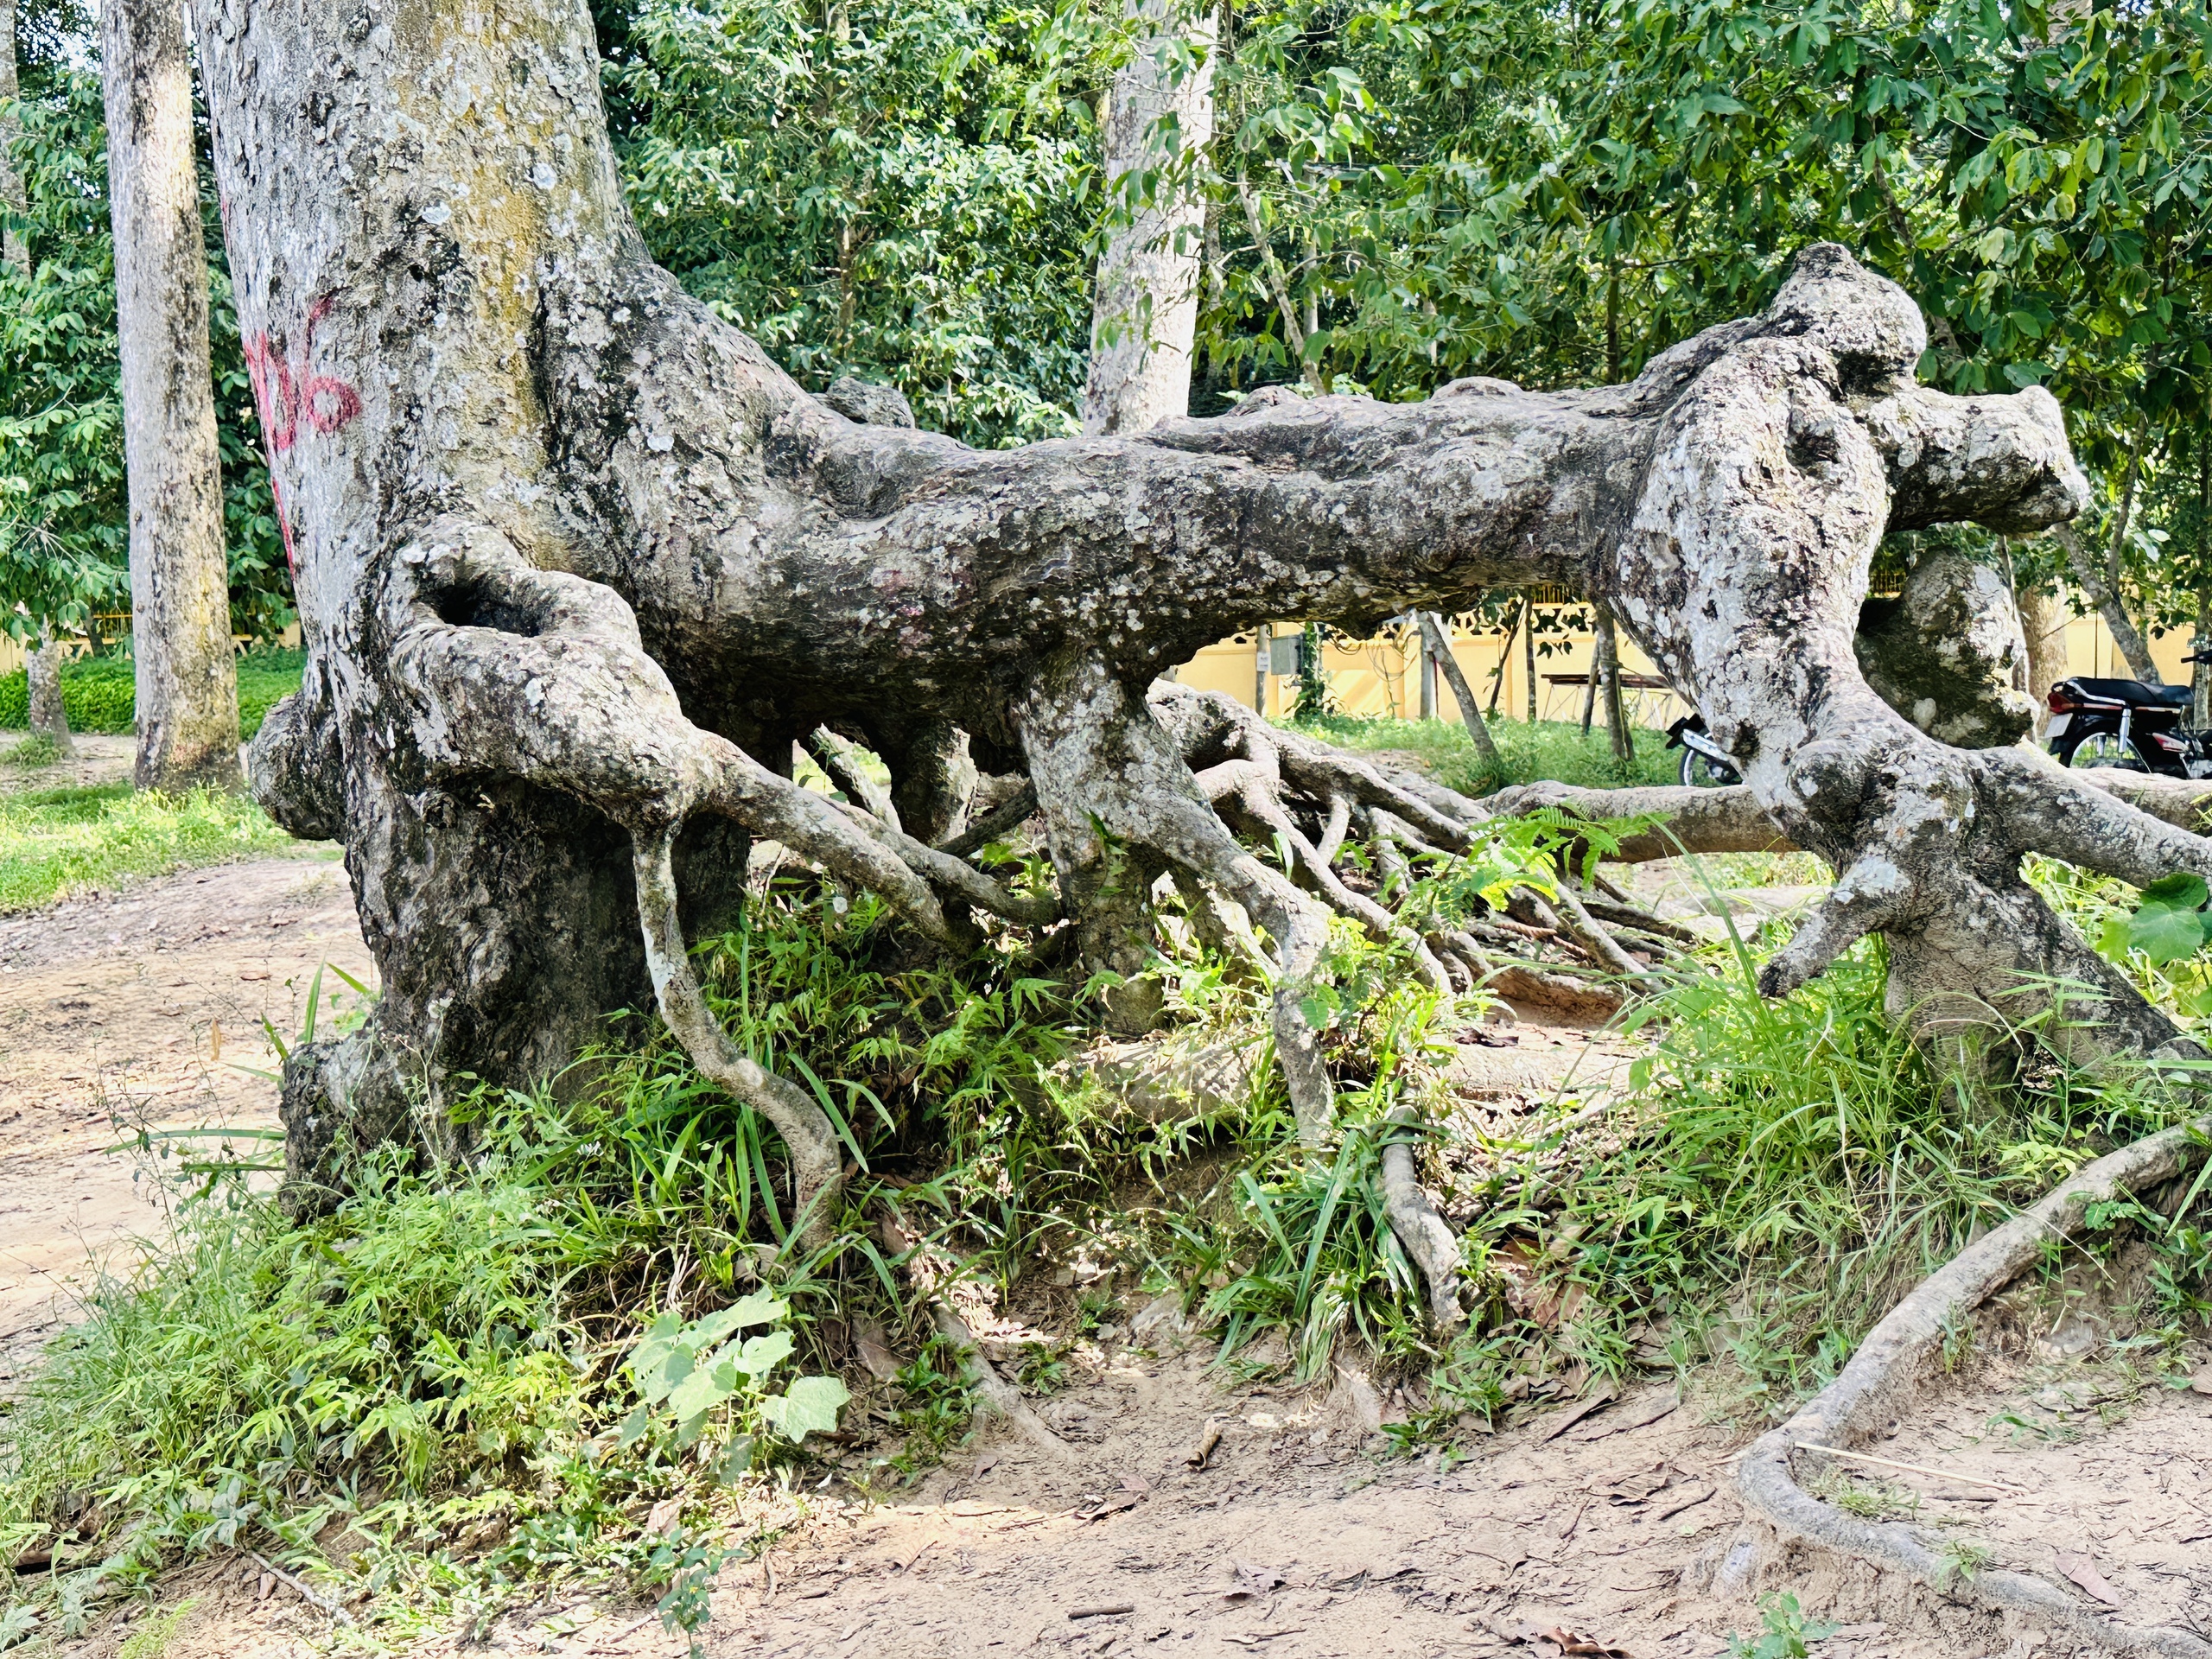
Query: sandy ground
x=1302 y=1536
x=136 y=1009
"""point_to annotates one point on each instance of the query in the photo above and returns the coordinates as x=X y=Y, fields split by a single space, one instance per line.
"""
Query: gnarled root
x=1890 y=1362
x=1412 y=1215
x=544 y=680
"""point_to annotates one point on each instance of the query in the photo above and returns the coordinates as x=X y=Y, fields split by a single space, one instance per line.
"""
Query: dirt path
x=135 y=1008
x=1304 y=1538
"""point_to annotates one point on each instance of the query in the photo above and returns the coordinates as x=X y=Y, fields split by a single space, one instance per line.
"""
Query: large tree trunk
x=1145 y=313
x=576 y=562
x=187 y=685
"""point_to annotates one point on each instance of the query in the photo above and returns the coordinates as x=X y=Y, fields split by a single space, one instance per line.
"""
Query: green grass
x=99 y=694
x=56 y=842
x=1548 y=749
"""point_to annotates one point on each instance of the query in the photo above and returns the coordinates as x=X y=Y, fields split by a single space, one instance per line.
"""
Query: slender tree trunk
x=1145 y=314
x=1504 y=653
x=13 y=248
x=180 y=591
x=1436 y=636
x=1529 y=651
x=2200 y=679
x=1608 y=677
x=1590 y=680
x=41 y=661
x=42 y=668
x=2127 y=638
x=2042 y=624
x=1427 y=671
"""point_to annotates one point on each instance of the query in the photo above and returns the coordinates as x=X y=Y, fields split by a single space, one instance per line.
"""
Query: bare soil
x=140 y=1009
x=1304 y=1534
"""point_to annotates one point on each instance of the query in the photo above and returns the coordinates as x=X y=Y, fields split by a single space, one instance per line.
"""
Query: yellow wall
x=1382 y=676
x=1379 y=678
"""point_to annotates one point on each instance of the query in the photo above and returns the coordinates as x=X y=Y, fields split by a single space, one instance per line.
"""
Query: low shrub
x=100 y=692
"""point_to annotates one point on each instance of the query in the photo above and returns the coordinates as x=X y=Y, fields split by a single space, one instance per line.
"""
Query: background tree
x=187 y=702
x=900 y=192
x=60 y=474
x=1145 y=312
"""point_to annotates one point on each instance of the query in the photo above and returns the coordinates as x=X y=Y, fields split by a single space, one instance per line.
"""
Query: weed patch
x=1547 y=749
x=59 y=840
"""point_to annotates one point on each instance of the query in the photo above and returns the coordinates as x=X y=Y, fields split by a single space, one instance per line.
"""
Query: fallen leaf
x=875 y=1354
x=1209 y=1438
x=664 y=1516
x=1136 y=1484
x=1258 y=1578
x=1101 y=1508
x=1555 y=1426
x=2202 y=1382
x=2077 y=1566
x=1574 y=1643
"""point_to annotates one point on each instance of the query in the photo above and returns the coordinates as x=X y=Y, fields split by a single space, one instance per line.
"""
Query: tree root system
x=1785 y=1524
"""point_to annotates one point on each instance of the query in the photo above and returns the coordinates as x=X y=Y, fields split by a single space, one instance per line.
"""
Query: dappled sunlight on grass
x=56 y=842
x=1548 y=749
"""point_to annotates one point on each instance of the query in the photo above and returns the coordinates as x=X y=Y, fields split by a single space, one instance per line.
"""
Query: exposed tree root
x=1000 y=1397
x=1888 y=1364
x=1413 y=1218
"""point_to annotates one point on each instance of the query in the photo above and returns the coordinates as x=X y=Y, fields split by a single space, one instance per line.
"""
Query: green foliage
x=1785 y=1632
x=688 y=1370
x=100 y=693
x=59 y=840
x=63 y=535
x=39 y=749
x=2168 y=925
x=1316 y=701
x=895 y=190
x=1548 y=749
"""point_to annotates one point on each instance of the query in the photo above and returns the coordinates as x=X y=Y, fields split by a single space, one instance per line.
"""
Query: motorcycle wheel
x=2102 y=749
x=1703 y=771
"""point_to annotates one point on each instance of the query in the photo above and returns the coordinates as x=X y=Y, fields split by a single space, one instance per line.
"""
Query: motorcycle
x=2127 y=724
x=1706 y=764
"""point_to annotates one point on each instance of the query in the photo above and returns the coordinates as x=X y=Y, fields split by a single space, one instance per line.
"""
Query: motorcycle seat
x=2134 y=692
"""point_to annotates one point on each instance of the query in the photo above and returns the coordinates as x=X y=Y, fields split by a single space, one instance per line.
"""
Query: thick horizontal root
x=1893 y=1360
x=1697 y=820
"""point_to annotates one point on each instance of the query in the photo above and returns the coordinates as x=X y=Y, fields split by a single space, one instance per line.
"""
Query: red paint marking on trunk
x=285 y=392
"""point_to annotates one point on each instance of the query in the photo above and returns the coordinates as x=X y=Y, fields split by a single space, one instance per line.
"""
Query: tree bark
x=42 y=673
x=576 y=563
x=1436 y=640
x=1145 y=313
x=187 y=694
x=13 y=248
x=1608 y=649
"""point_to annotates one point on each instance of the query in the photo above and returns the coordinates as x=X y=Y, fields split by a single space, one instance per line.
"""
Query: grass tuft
x=1547 y=749
x=56 y=842
x=33 y=752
